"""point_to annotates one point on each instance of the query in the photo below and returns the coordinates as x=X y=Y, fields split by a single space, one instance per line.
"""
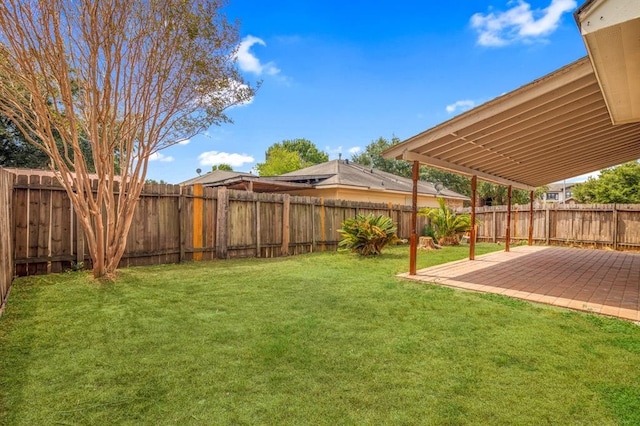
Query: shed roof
x=554 y=128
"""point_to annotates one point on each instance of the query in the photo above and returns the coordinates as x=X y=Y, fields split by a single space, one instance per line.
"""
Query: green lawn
x=326 y=338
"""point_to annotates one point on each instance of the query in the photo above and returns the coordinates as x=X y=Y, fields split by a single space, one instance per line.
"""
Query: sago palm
x=447 y=224
x=367 y=234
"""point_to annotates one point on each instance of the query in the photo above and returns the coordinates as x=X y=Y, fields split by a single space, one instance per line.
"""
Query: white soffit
x=554 y=128
x=611 y=32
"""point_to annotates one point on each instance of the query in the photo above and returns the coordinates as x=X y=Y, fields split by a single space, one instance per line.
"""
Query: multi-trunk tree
x=128 y=78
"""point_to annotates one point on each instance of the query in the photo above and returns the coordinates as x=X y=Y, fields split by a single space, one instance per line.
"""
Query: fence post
x=547 y=224
x=530 y=235
x=615 y=226
x=312 y=204
x=258 y=248
x=221 y=223
x=286 y=207
x=495 y=225
x=7 y=236
x=198 y=212
x=323 y=233
x=181 y=222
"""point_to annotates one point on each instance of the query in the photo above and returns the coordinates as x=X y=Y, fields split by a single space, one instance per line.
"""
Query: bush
x=367 y=234
x=448 y=225
x=428 y=231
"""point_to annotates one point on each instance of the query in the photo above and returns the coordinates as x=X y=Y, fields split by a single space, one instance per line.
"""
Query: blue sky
x=343 y=74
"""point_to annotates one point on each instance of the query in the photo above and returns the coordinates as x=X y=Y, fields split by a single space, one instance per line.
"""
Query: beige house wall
x=372 y=196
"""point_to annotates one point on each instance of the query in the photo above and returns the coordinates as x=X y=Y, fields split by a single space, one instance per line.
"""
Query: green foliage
x=222 y=166
x=620 y=184
x=454 y=182
x=428 y=231
x=290 y=155
x=372 y=156
x=447 y=224
x=17 y=151
x=367 y=234
x=496 y=195
x=280 y=161
x=309 y=152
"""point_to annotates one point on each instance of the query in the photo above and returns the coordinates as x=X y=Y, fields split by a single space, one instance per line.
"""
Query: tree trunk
x=427 y=243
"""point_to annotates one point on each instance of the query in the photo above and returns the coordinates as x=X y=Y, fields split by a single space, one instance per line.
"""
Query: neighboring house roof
x=336 y=173
x=346 y=173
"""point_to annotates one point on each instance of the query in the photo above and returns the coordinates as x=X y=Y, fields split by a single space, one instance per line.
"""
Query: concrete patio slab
x=600 y=281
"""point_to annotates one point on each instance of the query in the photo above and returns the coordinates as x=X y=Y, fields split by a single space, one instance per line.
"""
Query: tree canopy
x=372 y=156
x=290 y=155
x=222 y=166
x=16 y=151
x=620 y=184
x=125 y=79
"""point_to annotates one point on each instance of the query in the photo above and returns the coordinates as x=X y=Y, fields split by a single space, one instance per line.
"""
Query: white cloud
x=212 y=158
x=460 y=106
x=519 y=23
x=156 y=156
x=333 y=152
x=583 y=178
x=355 y=150
x=184 y=142
x=248 y=62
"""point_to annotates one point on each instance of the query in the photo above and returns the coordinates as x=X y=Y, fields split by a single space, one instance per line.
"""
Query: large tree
x=372 y=156
x=127 y=77
x=16 y=151
x=290 y=155
x=620 y=184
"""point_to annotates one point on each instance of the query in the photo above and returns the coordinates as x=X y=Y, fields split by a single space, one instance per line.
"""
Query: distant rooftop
x=343 y=173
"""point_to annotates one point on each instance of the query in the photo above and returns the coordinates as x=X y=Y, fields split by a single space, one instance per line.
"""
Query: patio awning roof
x=554 y=128
x=611 y=33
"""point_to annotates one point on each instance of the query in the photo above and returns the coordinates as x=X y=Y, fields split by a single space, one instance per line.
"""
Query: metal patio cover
x=551 y=129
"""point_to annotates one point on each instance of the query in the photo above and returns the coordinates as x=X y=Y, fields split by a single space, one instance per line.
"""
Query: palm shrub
x=367 y=234
x=448 y=225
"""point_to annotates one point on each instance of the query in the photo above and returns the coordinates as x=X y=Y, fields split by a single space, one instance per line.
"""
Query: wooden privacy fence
x=6 y=234
x=174 y=224
x=601 y=225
